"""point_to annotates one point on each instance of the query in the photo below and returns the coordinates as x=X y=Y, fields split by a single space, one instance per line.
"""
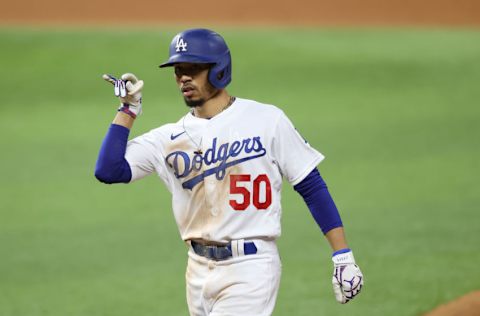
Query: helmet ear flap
x=220 y=75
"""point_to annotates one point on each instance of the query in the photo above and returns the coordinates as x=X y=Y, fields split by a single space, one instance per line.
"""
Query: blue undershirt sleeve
x=112 y=167
x=319 y=201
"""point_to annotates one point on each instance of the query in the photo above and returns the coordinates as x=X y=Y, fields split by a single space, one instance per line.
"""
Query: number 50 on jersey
x=260 y=195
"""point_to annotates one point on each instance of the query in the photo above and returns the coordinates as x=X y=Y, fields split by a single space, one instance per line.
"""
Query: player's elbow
x=113 y=173
x=103 y=176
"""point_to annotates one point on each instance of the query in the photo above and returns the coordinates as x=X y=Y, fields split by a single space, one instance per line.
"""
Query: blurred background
x=388 y=90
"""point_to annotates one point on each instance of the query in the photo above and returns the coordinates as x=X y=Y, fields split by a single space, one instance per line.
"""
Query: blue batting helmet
x=204 y=47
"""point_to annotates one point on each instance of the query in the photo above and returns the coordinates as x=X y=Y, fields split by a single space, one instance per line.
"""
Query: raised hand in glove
x=129 y=89
x=347 y=278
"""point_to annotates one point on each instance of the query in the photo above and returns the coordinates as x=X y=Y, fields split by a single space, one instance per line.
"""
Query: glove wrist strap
x=125 y=108
x=344 y=258
x=341 y=251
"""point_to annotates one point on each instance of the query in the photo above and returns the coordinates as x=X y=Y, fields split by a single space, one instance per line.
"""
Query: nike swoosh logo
x=172 y=137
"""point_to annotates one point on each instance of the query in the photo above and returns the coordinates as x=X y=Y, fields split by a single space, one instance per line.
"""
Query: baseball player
x=223 y=163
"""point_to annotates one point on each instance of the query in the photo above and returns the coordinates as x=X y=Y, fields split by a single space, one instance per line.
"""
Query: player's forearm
x=112 y=167
x=336 y=239
x=314 y=191
x=124 y=120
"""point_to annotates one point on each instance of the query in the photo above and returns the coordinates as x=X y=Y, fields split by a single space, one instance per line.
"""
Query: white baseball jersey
x=225 y=173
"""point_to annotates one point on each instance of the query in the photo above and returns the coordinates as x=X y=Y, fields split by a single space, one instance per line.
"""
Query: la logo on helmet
x=181 y=45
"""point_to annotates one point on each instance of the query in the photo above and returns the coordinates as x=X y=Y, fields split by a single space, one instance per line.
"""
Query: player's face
x=192 y=79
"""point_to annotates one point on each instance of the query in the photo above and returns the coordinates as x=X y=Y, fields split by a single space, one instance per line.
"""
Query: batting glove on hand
x=129 y=90
x=347 y=278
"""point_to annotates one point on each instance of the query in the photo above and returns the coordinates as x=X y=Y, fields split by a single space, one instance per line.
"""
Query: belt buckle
x=223 y=253
x=218 y=253
x=213 y=252
x=210 y=252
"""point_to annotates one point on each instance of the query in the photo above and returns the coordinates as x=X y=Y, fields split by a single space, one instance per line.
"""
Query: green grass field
x=396 y=112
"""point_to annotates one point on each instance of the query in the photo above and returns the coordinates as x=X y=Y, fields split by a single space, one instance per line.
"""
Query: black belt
x=221 y=252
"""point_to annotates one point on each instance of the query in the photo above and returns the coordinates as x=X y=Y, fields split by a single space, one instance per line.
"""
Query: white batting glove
x=347 y=278
x=129 y=90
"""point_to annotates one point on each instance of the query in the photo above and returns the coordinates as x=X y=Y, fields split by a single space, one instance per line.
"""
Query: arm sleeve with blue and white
x=297 y=161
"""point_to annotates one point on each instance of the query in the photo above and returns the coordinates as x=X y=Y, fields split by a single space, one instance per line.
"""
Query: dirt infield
x=252 y=12
x=468 y=305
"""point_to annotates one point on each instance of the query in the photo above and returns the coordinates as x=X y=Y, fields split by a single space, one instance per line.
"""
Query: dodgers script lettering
x=218 y=155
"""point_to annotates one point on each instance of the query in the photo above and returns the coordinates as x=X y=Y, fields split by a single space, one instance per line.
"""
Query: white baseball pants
x=244 y=285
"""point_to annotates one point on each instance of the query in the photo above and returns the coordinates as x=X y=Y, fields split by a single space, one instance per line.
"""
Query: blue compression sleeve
x=315 y=194
x=112 y=167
